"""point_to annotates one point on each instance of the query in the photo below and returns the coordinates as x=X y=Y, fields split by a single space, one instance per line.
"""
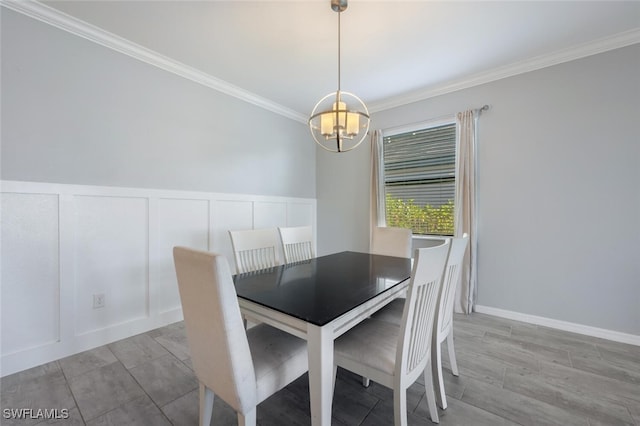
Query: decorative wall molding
x=56 y=18
x=602 y=333
x=63 y=244
x=63 y=21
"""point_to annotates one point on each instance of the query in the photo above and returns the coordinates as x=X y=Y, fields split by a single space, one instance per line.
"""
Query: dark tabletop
x=322 y=289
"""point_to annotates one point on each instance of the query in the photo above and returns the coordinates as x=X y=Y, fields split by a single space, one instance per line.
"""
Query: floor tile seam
x=550 y=346
x=571 y=339
x=470 y=403
x=90 y=371
x=633 y=419
x=552 y=333
x=75 y=401
x=566 y=410
x=109 y=346
x=571 y=360
x=582 y=370
x=632 y=366
x=122 y=403
x=143 y=362
x=364 y=419
x=596 y=376
x=149 y=361
x=505 y=363
x=572 y=411
x=504 y=376
x=617 y=347
x=175 y=399
x=519 y=354
x=599 y=349
x=164 y=347
x=618 y=363
x=150 y=398
x=127 y=402
x=464 y=389
x=613 y=397
x=521 y=343
x=422 y=396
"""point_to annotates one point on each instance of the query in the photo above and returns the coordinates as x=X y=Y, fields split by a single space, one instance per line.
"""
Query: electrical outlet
x=98 y=301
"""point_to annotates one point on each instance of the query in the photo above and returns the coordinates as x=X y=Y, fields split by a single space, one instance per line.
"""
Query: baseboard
x=28 y=358
x=587 y=330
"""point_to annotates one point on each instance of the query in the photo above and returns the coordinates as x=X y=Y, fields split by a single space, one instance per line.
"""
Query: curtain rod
x=402 y=127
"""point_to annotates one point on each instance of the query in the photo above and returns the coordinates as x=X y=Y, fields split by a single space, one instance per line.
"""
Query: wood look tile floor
x=511 y=373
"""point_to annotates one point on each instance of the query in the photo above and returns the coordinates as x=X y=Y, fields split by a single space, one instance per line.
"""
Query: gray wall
x=559 y=197
x=76 y=112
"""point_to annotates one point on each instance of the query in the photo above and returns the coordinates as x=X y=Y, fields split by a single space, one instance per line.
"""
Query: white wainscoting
x=63 y=244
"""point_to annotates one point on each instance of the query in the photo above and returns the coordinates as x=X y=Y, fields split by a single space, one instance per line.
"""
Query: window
x=419 y=178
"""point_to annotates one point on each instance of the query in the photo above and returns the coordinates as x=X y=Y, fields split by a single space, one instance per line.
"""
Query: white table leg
x=320 y=346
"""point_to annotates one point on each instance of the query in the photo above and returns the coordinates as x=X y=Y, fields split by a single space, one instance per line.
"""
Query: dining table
x=319 y=300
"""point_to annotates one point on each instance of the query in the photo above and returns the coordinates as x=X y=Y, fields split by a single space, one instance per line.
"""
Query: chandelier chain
x=339 y=13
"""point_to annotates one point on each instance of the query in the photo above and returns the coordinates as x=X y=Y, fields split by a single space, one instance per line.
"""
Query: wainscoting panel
x=30 y=277
x=229 y=215
x=111 y=259
x=269 y=214
x=64 y=244
x=180 y=223
x=300 y=214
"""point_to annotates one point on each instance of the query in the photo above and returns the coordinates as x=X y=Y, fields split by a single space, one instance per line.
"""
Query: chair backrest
x=255 y=249
x=419 y=311
x=297 y=243
x=450 y=281
x=217 y=339
x=390 y=241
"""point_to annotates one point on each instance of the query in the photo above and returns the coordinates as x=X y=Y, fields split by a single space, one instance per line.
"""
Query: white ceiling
x=393 y=52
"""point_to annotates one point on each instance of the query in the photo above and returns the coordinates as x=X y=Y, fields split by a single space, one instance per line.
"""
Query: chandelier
x=339 y=122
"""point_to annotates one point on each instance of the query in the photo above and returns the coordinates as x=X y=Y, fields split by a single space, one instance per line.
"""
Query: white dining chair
x=255 y=249
x=242 y=368
x=390 y=241
x=443 y=325
x=297 y=243
x=395 y=356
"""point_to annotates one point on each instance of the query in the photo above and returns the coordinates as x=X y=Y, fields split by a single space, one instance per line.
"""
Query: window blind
x=419 y=168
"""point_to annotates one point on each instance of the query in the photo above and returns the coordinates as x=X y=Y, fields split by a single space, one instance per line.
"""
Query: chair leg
x=206 y=405
x=400 y=407
x=335 y=376
x=436 y=370
x=430 y=395
x=452 y=354
x=365 y=382
x=247 y=419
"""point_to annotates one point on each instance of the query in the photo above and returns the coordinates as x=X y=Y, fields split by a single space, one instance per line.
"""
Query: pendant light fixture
x=340 y=121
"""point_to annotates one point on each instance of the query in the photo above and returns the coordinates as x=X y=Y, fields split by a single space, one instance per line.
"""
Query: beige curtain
x=376 y=210
x=465 y=207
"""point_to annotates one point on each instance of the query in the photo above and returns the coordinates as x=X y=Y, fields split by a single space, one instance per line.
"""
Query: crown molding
x=616 y=41
x=63 y=21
